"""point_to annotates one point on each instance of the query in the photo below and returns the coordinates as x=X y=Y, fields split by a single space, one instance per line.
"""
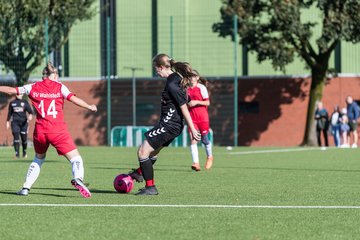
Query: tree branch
x=302 y=50
x=311 y=50
x=332 y=47
x=35 y=63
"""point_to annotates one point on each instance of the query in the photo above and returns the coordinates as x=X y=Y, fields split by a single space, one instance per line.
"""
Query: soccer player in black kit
x=19 y=124
x=173 y=112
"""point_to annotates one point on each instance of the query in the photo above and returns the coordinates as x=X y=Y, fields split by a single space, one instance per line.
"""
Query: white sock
x=208 y=149
x=77 y=167
x=194 y=153
x=33 y=172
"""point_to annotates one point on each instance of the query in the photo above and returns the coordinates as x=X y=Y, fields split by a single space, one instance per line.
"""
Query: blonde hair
x=49 y=69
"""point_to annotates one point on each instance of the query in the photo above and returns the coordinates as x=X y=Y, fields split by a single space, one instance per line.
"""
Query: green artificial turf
x=250 y=193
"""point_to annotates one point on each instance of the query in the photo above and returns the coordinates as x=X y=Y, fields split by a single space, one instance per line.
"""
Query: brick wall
x=272 y=111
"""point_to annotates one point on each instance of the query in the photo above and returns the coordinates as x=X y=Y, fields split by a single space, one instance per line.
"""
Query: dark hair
x=161 y=60
x=202 y=80
x=49 y=69
x=184 y=69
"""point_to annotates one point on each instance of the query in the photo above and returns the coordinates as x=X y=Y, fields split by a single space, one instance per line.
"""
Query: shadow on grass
x=57 y=189
x=8 y=192
x=24 y=161
x=33 y=193
x=103 y=191
x=71 y=189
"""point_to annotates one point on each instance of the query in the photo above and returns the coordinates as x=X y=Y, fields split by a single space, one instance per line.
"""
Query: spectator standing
x=335 y=125
x=322 y=123
x=353 y=113
x=344 y=129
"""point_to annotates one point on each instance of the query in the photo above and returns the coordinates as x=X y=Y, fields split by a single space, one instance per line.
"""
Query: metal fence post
x=108 y=82
x=154 y=31
x=46 y=40
x=235 y=22
x=133 y=69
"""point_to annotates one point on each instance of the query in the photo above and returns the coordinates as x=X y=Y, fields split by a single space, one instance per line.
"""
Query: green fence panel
x=133 y=136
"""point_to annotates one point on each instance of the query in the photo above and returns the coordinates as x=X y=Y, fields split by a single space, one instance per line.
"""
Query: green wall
x=133 y=37
x=350 y=55
x=84 y=49
x=193 y=41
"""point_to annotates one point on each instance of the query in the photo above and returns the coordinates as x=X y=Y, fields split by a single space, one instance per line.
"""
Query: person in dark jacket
x=20 y=113
x=353 y=113
x=322 y=123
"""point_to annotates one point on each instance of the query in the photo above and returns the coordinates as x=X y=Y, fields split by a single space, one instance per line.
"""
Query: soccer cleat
x=209 y=162
x=195 y=167
x=25 y=155
x=148 y=190
x=84 y=191
x=354 y=145
x=23 y=192
x=136 y=176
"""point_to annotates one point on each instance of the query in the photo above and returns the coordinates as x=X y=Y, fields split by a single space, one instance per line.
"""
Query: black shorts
x=353 y=126
x=161 y=136
x=19 y=127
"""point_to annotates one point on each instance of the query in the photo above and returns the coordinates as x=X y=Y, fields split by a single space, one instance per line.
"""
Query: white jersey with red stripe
x=47 y=97
x=198 y=113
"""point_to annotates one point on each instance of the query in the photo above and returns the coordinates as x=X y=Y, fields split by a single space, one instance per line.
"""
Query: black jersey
x=173 y=96
x=18 y=109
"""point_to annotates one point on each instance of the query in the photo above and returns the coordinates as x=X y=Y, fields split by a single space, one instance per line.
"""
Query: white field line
x=173 y=206
x=275 y=151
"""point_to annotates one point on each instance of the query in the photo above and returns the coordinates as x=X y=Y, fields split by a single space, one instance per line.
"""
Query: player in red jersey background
x=47 y=97
x=198 y=108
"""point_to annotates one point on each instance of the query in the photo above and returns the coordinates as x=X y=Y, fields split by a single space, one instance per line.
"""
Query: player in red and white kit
x=47 y=97
x=198 y=108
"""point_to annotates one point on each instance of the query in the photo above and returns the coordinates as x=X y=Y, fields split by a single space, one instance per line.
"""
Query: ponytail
x=185 y=70
x=182 y=68
x=185 y=83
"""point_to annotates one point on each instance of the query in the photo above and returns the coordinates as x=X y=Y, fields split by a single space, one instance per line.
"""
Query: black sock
x=147 y=169
x=16 y=147
x=24 y=145
x=24 y=142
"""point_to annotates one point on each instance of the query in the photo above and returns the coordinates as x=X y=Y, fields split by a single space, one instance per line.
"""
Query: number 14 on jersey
x=51 y=111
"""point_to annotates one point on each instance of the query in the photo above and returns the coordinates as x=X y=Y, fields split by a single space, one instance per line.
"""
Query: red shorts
x=62 y=142
x=203 y=127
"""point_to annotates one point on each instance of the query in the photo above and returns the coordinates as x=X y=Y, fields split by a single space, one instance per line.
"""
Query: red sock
x=150 y=183
x=139 y=171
